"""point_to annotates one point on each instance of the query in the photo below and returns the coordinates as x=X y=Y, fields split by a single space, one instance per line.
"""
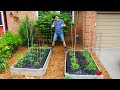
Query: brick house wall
x=89 y=29
x=14 y=25
x=85 y=28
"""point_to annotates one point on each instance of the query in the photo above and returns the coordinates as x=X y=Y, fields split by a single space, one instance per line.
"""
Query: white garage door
x=109 y=25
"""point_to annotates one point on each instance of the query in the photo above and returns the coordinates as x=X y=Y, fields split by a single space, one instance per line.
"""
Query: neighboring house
x=89 y=25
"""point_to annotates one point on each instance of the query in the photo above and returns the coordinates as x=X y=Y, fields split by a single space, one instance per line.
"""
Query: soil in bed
x=82 y=61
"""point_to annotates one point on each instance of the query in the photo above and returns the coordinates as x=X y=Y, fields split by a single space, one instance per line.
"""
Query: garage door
x=109 y=25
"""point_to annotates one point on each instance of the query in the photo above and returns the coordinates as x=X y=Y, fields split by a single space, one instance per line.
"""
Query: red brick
x=86 y=36
x=14 y=25
x=86 y=43
x=89 y=19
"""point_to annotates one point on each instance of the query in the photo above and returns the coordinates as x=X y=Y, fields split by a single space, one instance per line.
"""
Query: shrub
x=10 y=39
x=3 y=64
x=5 y=53
x=7 y=43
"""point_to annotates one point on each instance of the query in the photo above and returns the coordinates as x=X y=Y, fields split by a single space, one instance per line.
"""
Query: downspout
x=5 y=20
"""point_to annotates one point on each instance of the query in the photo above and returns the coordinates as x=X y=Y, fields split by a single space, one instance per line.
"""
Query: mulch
x=56 y=65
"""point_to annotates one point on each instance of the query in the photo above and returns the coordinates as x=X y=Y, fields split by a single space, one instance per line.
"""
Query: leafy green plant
x=37 y=64
x=42 y=53
x=31 y=59
x=5 y=51
x=84 y=52
x=45 y=47
x=67 y=77
x=89 y=59
x=21 y=59
x=40 y=58
x=10 y=39
x=91 y=66
x=19 y=63
x=7 y=43
x=34 y=45
x=74 y=64
x=33 y=55
x=73 y=60
x=44 y=22
x=3 y=64
x=71 y=53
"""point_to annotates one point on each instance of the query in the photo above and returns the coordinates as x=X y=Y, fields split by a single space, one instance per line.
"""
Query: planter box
x=31 y=71
x=80 y=75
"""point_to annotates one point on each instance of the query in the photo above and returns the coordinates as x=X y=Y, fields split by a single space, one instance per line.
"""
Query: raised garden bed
x=80 y=65
x=34 y=62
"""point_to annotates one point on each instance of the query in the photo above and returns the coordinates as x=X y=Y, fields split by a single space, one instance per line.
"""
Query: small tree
x=25 y=31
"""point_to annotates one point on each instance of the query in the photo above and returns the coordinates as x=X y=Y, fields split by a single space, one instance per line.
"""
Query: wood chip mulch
x=56 y=65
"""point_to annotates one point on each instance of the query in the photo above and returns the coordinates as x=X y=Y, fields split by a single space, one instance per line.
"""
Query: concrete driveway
x=110 y=59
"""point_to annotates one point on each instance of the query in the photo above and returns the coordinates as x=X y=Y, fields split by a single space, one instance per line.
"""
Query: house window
x=70 y=12
x=1 y=19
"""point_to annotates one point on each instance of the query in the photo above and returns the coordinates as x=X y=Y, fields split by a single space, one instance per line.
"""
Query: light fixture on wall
x=10 y=14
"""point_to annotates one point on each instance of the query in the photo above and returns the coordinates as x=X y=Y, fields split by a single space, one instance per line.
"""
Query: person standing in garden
x=58 y=24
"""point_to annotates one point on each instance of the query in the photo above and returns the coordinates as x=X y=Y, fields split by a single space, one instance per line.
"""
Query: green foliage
x=19 y=63
x=37 y=64
x=26 y=31
x=74 y=64
x=91 y=66
x=7 y=43
x=45 y=20
x=45 y=47
x=3 y=64
x=67 y=20
x=18 y=57
x=84 y=52
x=67 y=77
x=10 y=39
x=5 y=51
x=34 y=45
x=42 y=53
x=73 y=60
x=71 y=53
x=40 y=58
